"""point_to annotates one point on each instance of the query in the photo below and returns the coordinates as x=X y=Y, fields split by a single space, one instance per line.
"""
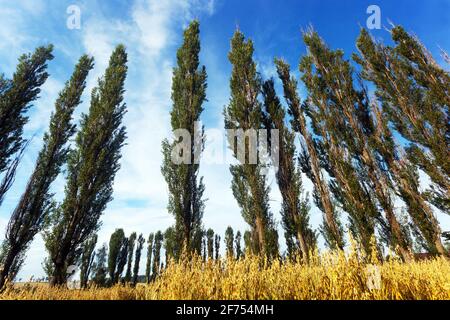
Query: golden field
x=327 y=276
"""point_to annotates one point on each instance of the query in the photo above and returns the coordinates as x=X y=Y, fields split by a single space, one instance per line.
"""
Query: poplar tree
x=414 y=91
x=148 y=266
x=36 y=202
x=244 y=115
x=186 y=189
x=229 y=242
x=87 y=260
x=342 y=114
x=217 y=246
x=414 y=94
x=294 y=208
x=312 y=162
x=121 y=260
x=16 y=96
x=171 y=244
x=131 y=245
x=237 y=243
x=157 y=254
x=116 y=244
x=137 y=259
x=210 y=243
x=100 y=268
x=92 y=166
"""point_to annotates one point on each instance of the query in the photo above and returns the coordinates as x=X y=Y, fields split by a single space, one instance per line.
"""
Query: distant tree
x=185 y=188
x=210 y=243
x=131 y=243
x=157 y=254
x=92 y=166
x=87 y=260
x=121 y=260
x=237 y=242
x=99 y=268
x=118 y=243
x=171 y=245
x=137 y=260
x=229 y=242
x=244 y=113
x=35 y=203
x=204 y=248
x=16 y=96
x=148 y=266
x=217 y=246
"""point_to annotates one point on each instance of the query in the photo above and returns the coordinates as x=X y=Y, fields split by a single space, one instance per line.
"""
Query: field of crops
x=327 y=276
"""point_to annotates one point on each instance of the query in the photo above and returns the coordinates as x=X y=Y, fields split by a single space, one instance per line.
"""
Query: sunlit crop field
x=327 y=276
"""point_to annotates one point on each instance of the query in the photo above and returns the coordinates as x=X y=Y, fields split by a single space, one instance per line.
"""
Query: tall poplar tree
x=157 y=254
x=16 y=96
x=137 y=259
x=342 y=114
x=294 y=208
x=36 y=202
x=148 y=266
x=244 y=113
x=116 y=243
x=92 y=166
x=229 y=242
x=414 y=94
x=185 y=187
x=331 y=227
x=131 y=245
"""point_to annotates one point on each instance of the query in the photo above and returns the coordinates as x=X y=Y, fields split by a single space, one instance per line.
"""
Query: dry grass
x=328 y=276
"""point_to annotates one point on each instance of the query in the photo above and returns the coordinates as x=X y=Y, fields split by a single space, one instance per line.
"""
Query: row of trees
x=351 y=145
x=119 y=261
x=352 y=148
x=91 y=161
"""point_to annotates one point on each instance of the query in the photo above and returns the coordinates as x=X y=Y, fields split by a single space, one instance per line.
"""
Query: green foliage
x=36 y=202
x=92 y=166
x=137 y=260
x=229 y=242
x=294 y=208
x=16 y=96
x=131 y=244
x=245 y=112
x=99 y=267
x=117 y=244
x=186 y=202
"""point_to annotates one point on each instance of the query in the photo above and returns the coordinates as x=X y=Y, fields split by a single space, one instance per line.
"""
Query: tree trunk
x=322 y=188
x=59 y=275
x=261 y=235
x=303 y=246
x=6 y=268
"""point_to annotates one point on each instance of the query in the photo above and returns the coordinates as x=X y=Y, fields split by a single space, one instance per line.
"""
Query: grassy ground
x=328 y=276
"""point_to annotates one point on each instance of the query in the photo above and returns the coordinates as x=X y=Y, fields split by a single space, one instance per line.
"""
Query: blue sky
x=152 y=30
